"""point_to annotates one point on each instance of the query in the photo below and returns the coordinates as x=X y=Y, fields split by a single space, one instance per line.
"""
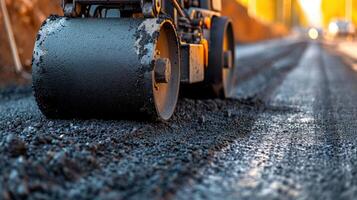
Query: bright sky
x=312 y=9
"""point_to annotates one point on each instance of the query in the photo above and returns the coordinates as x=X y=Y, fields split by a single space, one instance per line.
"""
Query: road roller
x=128 y=58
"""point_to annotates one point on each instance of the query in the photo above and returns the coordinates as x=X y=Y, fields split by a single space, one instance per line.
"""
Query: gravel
x=291 y=137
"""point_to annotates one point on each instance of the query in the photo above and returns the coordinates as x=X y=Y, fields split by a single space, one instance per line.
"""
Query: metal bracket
x=192 y=63
x=69 y=8
x=151 y=8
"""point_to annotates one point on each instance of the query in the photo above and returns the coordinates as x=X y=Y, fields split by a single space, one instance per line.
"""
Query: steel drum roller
x=85 y=67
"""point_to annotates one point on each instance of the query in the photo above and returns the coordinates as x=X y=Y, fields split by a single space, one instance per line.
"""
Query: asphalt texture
x=289 y=132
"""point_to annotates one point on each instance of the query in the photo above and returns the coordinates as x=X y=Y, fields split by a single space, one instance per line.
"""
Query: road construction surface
x=289 y=132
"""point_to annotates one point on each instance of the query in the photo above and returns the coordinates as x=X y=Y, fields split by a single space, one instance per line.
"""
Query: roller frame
x=193 y=38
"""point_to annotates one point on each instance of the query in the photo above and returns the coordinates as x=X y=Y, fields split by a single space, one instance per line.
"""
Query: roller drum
x=86 y=67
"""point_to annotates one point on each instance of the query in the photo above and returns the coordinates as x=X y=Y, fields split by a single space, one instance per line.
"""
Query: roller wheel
x=106 y=68
x=166 y=74
x=220 y=70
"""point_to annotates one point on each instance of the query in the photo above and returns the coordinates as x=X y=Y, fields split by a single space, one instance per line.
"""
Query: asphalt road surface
x=289 y=132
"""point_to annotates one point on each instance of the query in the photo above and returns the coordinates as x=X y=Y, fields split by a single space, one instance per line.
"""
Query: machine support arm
x=180 y=11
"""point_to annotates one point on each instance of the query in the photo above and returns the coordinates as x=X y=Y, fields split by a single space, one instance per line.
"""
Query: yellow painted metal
x=343 y=9
x=287 y=12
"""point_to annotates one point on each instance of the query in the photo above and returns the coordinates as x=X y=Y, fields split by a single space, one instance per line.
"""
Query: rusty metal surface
x=192 y=63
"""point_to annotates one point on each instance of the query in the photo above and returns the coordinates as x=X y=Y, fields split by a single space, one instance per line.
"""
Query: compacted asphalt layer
x=288 y=132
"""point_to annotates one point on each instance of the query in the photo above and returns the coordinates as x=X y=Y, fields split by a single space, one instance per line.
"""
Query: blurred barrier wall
x=345 y=9
x=249 y=28
x=286 y=12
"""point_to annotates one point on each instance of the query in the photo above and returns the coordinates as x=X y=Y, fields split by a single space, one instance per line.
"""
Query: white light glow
x=313 y=33
x=312 y=8
x=333 y=28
